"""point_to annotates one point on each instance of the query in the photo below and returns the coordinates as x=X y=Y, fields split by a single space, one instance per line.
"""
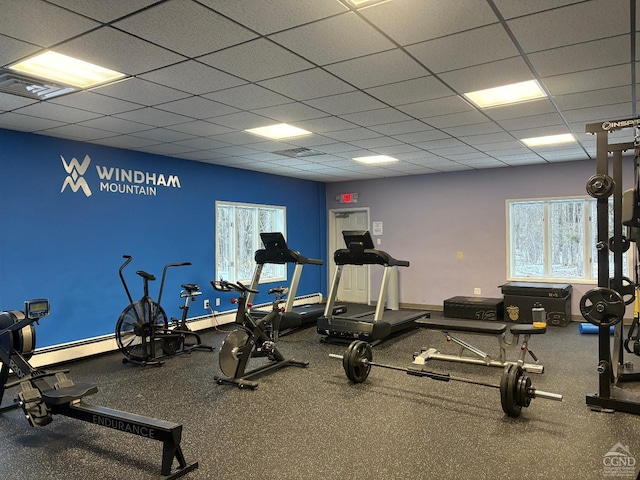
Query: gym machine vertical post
x=604 y=305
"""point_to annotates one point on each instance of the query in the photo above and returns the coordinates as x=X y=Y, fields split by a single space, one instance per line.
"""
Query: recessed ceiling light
x=548 y=140
x=514 y=93
x=366 y=3
x=375 y=159
x=276 y=132
x=68 y=70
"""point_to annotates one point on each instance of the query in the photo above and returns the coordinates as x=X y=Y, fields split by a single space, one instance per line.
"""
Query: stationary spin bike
x=251 y=339
x=143 y=333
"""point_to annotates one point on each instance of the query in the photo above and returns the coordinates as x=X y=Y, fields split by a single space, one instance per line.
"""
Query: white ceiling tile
x=200 y=127
x=141 y=92
x=10 y=102
x=477 y=129
x=558 y=27
x=59 y=113
x=94 y=102
x=167 y=149
x=193 y=77
x=326 y=124
x=104 y=10
x=247 y=97
x=376 y=117
x=488 y=75
x=257 y=60
x=266 y=16
x=164 y=135
x=410 y=91
x=412 y=21
x=202 y=143
x=585 y=56
x=594 y=98
x=118 y=51
x=12 y=50
x=116 y=125
x=126 y=141
x=187 y=28
x=509 y=8
x=540 y=106
x=197 y=107
x=153 y=116
x=288 y=113
x=344 y=103
x=398 y=128
x=238 y=138
x=482 y=141
x=587 y=80
x=455 y=120
x=352 y=134
x=436 y=108
x=333 y=39
x=242 y=121
x=20 y=21
x=306 y=85
x=375 y=143
x=378 y=69
x=481 y=45
x=77 y=132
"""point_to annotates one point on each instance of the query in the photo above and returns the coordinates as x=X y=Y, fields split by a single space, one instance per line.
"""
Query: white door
x=354 y=282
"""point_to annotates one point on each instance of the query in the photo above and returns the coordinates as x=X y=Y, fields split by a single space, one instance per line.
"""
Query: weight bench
x=482 y=328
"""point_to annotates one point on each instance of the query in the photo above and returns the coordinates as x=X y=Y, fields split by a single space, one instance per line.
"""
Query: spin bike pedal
x=33 y=406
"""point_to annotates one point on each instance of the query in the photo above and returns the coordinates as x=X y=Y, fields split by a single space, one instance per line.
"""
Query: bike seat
x=278 y=290
x=145 y=275
x=190 y=287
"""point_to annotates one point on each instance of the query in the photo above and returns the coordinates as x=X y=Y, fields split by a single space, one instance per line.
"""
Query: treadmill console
x=358 y=236
x=36 y=308
x=274 y=241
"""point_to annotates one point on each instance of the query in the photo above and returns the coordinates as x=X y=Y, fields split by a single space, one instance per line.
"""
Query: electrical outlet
x=217 y=302
x=206 y=304
x=477 y=291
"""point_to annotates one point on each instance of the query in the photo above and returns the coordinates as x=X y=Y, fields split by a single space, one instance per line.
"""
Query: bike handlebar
x=225 y=286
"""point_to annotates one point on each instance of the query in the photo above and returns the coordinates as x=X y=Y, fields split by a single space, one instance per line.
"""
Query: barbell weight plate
x=356 y=369
x=602 y=307
x=600 y=185
x=628 y=291
x=508 y=390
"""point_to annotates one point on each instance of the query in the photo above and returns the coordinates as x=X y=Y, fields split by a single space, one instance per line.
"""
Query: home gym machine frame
x=605 y=306
x=40 y=397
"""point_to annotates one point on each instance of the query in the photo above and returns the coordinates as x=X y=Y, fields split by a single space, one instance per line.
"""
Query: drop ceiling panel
x=257 y=60
x=268 y=16
x=307 y=85
x=94 y=102
x=247 y=97
x=345 y=103
x=484 y=44
x=565 y=26
x=57 y=112
x=197 y=107
x=140 y=91
x=410 y=91
x=379 y=116
x=290 y=113
x=378 y=69
x=104 y=10
x=584 y=81
x=12 y=50
x=412 y=21
x=334 y=39
x=166 y=135
x=30 y=21
x=166 y=23
x=510 y=9
x=488 y=75
x=193 y=77
x=118 y=51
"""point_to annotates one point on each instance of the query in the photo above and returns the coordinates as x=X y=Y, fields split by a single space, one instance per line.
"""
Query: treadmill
x=276 y=251
x=388 y=319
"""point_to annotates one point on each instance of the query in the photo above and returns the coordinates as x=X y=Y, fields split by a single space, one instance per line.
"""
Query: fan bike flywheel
x=133 y=330
x=230 y=351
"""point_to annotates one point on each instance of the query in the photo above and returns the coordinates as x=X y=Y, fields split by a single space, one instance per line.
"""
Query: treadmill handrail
x=368 y=256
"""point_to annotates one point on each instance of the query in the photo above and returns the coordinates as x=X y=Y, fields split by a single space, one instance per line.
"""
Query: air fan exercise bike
x=143 y=333
x=251 y=339
x=43 y=393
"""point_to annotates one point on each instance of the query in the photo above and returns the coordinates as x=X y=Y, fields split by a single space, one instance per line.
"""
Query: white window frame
x=590 y=255
x=274 y=273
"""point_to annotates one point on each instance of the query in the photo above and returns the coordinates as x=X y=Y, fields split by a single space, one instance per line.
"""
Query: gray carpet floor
x=312 y=423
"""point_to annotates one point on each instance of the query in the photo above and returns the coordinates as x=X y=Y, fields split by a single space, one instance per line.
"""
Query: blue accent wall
x=64 y=245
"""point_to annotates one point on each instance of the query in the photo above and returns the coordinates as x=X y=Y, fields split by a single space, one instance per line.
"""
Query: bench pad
x=470 y=326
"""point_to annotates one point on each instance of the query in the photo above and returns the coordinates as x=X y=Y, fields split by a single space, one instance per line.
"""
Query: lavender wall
x=429 y=218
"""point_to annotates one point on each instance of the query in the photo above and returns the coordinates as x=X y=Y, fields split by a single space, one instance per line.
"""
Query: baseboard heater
x=67 y=352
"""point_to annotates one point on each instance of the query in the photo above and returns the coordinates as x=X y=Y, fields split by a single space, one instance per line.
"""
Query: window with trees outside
x=554 y=239
x=238 y=228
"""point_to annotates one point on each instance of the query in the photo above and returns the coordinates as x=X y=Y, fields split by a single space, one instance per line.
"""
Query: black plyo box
x=520 y=297
x=475 y=308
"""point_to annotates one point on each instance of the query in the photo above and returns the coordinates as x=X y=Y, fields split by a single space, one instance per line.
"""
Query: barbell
x=515 y=387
